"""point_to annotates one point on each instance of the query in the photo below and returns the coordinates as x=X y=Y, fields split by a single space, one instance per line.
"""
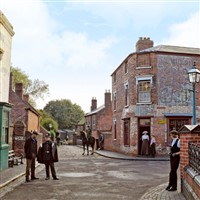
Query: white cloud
x=62 y=59
x=186 y=33
x=70 y=60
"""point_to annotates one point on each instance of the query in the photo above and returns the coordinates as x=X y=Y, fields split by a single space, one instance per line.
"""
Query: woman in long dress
x=145 y=143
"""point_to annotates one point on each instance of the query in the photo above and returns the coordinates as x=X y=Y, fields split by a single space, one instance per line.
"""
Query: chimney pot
x=107 y=98
x=144 y=43
x=94 y=104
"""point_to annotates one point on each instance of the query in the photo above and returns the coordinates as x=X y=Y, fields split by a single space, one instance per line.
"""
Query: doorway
x=144 y=124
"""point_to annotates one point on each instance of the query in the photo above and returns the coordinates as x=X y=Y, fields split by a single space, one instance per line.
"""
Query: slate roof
x=173 y=49
x=95 y=111
x=166 y=49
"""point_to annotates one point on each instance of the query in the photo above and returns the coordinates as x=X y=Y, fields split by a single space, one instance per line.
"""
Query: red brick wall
x=184 y=139
x=192 y=136
x=195 y=187
x=22 y=112
x=168 y=95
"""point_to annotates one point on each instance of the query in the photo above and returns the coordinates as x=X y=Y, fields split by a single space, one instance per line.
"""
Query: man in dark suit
x=48 y=154
x=174 y=161
x=30 y=149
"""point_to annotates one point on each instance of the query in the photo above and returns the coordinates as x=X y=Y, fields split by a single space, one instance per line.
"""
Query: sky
x=74 y=46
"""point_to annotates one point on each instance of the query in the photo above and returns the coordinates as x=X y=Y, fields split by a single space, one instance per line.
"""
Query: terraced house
x=151 y=92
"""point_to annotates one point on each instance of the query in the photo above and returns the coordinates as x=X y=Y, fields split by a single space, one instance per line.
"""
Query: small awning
x=177 y=114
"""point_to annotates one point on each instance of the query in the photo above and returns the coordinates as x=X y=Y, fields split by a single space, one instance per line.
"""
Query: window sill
x=146 y=103
x=144 y=67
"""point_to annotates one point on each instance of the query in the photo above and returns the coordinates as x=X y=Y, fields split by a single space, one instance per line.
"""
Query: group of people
x=146 y=149
x=174 y=155
x=46 y=154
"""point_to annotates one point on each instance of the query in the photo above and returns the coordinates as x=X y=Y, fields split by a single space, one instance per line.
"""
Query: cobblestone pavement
x=91 y=177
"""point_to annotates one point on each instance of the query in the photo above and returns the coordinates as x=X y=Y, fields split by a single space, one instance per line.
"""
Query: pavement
x=10 y=177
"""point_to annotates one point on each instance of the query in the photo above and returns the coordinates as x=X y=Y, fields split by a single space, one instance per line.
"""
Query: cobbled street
x=92 y=177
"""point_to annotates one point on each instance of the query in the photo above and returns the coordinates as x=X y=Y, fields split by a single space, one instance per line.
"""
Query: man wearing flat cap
x=30 y=150
x=47 y=155
x=174 y=161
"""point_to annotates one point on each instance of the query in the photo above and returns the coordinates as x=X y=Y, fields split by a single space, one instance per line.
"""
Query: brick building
x=6 y=34
x=100 y=119
x=151 y=91
x=23 y=117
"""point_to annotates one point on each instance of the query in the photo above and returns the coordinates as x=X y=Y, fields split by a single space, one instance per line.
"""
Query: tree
x=65 y=113
x=46 y=120
x=35 y=89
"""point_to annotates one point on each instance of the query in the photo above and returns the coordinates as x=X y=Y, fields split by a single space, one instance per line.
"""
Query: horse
x=87 y=142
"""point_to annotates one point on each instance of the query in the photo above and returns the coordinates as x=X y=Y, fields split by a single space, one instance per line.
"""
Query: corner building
x=151 y=91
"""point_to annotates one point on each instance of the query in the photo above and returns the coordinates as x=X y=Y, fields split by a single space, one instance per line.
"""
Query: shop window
x=177 y=123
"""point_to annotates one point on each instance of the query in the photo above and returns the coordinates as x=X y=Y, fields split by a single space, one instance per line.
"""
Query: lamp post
x=50 y=126
x=194 y=77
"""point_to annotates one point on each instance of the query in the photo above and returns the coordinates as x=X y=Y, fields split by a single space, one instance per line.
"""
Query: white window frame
x=144 y=78
x=126 y=86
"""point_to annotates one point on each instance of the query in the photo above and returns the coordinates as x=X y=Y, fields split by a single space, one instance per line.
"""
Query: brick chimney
x=94 y=103
x=19 y=89
x=144 y=43
x=26 y=97
x=107 y=98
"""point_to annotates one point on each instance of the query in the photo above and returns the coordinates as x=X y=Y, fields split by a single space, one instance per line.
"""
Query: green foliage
x=35 y=89
x=46 y=119
x=20 y=76
x=65 y=113
x=45 y=122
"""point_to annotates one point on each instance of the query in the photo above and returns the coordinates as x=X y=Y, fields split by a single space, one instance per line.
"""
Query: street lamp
x=50 y=126
x=194 y=77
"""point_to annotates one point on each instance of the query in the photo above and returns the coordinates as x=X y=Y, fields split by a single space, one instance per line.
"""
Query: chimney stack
x=144 y=43
x=94 y=104
x=19 y=89
x=107 y=98
x=26 y=97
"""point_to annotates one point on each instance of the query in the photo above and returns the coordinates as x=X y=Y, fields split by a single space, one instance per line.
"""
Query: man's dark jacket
x=30 y=148
x=42 y=157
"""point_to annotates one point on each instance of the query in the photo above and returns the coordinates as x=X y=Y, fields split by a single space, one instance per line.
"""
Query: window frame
x=126 y=95
x=144 y=79
x=126 y=126
x=115 y=100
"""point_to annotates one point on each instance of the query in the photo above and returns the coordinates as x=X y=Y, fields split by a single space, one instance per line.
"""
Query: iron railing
x=194 y=156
